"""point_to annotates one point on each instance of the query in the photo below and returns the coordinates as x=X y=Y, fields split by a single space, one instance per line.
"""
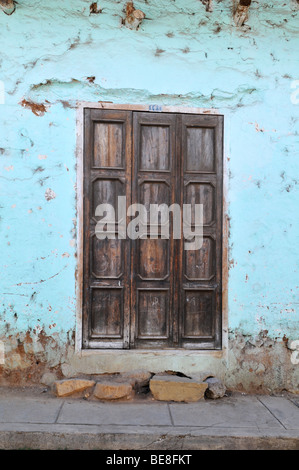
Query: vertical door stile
x=133 y=261
x=177 y=254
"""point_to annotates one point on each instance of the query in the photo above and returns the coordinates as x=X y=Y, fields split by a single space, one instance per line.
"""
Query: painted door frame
x=81 y=106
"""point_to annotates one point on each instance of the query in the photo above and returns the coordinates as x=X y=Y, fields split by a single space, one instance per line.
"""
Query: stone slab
x=112 y=391
x=240 y=412
x=67 y=387
x=174 y=388
x=31 y=410
x=152 y=414
x=284 y=410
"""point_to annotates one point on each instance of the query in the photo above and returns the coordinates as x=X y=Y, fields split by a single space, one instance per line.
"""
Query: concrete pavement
x=36 y=420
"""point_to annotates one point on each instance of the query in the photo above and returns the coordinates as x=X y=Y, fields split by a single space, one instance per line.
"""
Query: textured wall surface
x=54 y=53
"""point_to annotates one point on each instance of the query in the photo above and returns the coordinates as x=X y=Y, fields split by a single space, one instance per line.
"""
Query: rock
x=65 y=388
x=48 y=378
x=216 y=389
x=202 y=376
x=139 y=379
x=112 y=390
x=67 y=370
x=174 y=388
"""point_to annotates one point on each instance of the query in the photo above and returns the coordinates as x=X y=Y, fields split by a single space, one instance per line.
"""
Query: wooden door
x=148 y=291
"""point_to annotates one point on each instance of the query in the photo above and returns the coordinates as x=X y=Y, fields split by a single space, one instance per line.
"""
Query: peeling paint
x=49 y=194
x=38 y=109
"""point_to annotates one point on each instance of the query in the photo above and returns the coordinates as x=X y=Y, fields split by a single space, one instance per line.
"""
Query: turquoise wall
x=181 y=55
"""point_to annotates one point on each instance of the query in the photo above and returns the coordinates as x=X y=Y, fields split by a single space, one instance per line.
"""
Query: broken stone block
x=216 y=389
x=174 y=388
x=48 y=378
x=112 y=390
x=139 y=379
x=202 y=376
x=65 y=388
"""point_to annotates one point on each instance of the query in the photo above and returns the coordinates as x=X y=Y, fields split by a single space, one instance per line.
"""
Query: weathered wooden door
x=148 y=291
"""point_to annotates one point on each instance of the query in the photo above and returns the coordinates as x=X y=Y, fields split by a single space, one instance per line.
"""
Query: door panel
x=153 y=314
x=200 y=156
x=154 y=259
x=109 y=151
x=155 y=147
x=198 y=318
x=107 y=312
x=200 y=264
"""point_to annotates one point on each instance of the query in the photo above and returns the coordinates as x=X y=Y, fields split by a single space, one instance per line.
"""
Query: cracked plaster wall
x=53 y=54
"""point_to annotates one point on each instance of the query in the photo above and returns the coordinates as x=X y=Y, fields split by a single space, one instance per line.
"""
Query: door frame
x=81 y=106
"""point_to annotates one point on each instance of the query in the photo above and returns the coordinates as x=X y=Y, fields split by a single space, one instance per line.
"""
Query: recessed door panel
x=109 y=150
x=153 y=314
x=154 y=259
x=155 y=148
x=200 y=264
x=106 y=313
x=198 y=319
x=201 y=193
x=107 y=258
x=200 y=155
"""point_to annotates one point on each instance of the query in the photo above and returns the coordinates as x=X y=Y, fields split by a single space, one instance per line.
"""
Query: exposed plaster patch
x=91 y=79
x=241 y=12
x=159 y=51
x=30 y=354
x=260 y=363
x=38 y=109
x=50 y=194
x=133 y=17
x=261 y=129
x=208 y=4
x=93 y=9
x=8 y=6
x=67 y=104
